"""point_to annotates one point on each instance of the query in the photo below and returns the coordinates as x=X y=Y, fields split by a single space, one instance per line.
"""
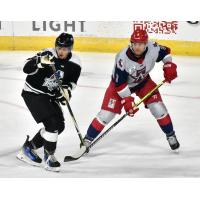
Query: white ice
x=135 y=148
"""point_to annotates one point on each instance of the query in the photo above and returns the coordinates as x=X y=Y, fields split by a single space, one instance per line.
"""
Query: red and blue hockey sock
x=166 y=125
x=94 y=129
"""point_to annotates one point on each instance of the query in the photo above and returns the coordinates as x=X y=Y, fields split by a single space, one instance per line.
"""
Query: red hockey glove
x=129 y=106
x=170 y=72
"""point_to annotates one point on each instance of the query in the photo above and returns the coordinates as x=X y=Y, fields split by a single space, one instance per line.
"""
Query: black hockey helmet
x=64 y=40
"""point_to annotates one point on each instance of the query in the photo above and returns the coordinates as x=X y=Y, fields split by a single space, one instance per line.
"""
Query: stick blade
x=76 y=155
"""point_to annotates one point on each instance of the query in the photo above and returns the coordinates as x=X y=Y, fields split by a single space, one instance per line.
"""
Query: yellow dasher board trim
x=93 y=44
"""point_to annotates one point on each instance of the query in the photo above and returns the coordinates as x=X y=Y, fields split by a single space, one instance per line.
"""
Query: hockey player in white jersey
x=131 y=75
x=51 y=76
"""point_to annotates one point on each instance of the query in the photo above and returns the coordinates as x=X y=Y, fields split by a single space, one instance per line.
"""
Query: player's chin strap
x=121 y=118
x=69 y=109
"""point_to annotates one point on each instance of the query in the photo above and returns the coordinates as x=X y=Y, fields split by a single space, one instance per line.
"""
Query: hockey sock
x=166 y=125
x=94 y=129
x=50 y=141
x=37 y=141
x=50 y=147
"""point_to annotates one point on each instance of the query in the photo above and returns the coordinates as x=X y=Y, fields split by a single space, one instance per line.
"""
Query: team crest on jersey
x=132 y=70
x=111 y=103
x=53 y=82
x=138 y=74
x=59 y=74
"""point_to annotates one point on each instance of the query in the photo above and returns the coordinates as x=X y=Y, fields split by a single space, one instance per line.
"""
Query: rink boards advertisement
x=100 y=36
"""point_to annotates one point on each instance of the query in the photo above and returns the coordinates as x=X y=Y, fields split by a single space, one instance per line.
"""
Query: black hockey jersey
x=46 y=80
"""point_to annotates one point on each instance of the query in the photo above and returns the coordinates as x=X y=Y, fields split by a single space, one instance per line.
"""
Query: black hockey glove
x=45 y=59
x=63 y=95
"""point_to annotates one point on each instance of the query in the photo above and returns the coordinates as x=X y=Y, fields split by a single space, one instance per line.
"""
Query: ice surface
x=135 y=148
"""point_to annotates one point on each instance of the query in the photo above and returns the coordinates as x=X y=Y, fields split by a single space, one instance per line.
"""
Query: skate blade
x=52 y=169
x=21 y=156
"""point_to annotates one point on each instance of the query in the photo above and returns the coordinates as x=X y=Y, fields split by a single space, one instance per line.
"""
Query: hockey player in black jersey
x=47 y=72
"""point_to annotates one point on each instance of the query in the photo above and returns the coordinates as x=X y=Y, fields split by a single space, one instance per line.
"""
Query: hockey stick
x=73 y=119
x=82 y=151
x=69 y=108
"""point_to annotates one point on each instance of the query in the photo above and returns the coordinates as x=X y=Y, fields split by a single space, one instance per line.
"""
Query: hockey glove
x=63 y=95
x=45 y=59
x=170 y=72
x=129 y=106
